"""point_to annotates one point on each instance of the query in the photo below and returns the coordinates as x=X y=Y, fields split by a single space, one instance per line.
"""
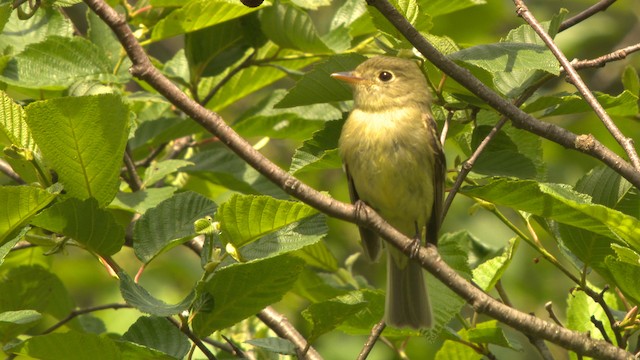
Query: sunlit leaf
x=79 y=219
x=199 y=14
x=26 y=201
x=136 y=296
x=169 y=224
x=56 y=63
x=83 y=140
x=242 y=290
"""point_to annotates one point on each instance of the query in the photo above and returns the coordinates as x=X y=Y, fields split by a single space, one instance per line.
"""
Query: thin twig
x=602 y=5
x=73 y=314
x=552 y=314
x=196 y=340
x=602 y=60
x=598 y=324
x=599 y=298
x=428 y=257
x=244 y=64
x=133 y=180
x=467 y=165
x=6 y=169
x=152 y=156
x=283 y=328
x=371 y=341
x=576 y=80
x=503 y=294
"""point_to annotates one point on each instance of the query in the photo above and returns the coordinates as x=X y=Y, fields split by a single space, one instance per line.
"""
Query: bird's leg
x=415 y=243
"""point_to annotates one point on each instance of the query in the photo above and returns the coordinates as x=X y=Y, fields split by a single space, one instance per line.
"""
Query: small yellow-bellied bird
x=395 y=164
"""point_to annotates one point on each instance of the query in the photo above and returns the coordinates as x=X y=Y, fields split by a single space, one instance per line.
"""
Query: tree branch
x=602 y=5
x=583 y=143
x=75 y=313
x=428 y=257
x=371 y=341
x=602 y=60
x=6 y=169
x=625 y=142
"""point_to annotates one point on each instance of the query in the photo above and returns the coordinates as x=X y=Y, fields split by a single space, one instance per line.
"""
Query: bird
x=394 y=163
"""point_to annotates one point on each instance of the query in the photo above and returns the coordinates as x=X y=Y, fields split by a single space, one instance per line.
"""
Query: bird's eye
x=385 y=76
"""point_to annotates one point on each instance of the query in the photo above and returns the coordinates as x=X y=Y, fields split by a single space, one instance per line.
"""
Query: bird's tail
x=407 y=302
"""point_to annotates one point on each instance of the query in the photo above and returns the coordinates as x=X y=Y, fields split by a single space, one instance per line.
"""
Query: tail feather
x=407 y=302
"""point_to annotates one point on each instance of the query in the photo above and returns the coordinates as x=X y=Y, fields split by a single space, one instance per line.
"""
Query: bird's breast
x=389 y=158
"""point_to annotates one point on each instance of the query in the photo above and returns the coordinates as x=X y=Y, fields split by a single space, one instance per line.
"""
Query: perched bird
x=395 y=164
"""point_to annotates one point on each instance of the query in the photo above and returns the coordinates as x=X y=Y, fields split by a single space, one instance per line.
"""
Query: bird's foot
x=413 y=247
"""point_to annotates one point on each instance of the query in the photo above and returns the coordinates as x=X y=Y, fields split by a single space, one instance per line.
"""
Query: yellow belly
x=389 y=158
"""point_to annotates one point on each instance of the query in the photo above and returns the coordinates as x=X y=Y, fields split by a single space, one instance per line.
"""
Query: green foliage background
x=70 y=110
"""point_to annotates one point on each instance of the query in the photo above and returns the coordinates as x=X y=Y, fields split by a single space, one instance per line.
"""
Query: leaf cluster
x=97 y=162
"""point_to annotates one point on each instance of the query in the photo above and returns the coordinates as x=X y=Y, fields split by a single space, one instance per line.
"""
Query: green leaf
x=199 y=14
x=83 y=140
x=411 y=10
x=222 y=167
x=34 y=288
x=45 y=22
x=624 y=104
x=241 y=290
x=317 y=86
x=630 y=80
x=101 y=35
x=291 y=28
x=311 y=4
x=211 y=50
x=320 y=152
x=489 y=332
x=624 y=269
x=136 y=296
x=158 y=333
x=274 y=344
x=288 y=238
x=142 y=200
x=26 y=201
x=512 y=152
x=319 y=256
x=56 y=63
x=296 y=123
x=13 y=124
x=253 y=78
x=444 y=302
x=580 y=310
x=327 y=315
x=14 y=323
x=71 y=345
x=8 y=245
x=133 y=351
x=319 y=286
x=441 y=7
x=512 y=66
x=169 y=224
x=158 y=170
x=487 y=274
x=79 y=219
x=456 y=349
x=608 y=188
x=562 y=204
x=244 y=219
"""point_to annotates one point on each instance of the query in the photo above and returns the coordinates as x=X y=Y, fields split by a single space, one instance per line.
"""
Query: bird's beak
x=347 y=77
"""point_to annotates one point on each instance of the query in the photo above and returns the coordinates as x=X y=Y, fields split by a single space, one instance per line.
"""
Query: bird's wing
x=439 y=171
x=371 y=242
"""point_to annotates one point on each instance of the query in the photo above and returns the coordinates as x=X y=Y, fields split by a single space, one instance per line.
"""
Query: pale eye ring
x=385 y=76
